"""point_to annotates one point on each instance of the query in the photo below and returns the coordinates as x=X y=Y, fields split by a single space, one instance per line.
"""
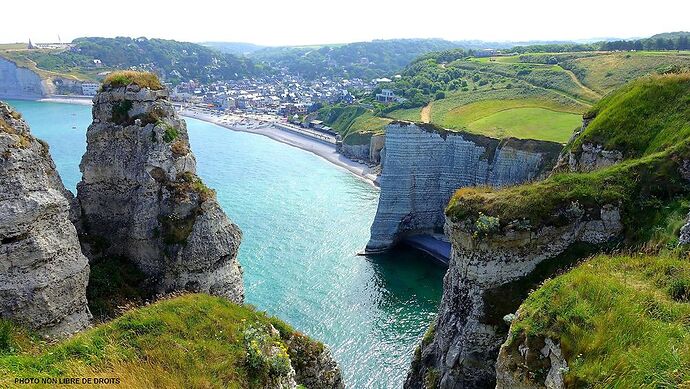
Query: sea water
x=303 y=221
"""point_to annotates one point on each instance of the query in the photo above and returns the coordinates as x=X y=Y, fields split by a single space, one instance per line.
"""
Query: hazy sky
x=299 y=22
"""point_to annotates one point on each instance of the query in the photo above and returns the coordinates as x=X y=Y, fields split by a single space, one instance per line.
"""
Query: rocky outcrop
x=684 y=238
x=21 y=83
x=43 y=273
x=368 y=153
x=588 y=156
x=141 y=199
x=488 y=277
x=314 y=365
x=423 y=166
x=528 y=363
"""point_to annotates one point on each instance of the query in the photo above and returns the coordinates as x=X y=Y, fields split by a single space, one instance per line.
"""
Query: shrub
x=170 y=134
x=128 y=77
x=679 y=290
x=485 y=225
x=265 y=353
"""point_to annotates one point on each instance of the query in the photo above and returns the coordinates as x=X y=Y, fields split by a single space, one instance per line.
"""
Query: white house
x=89 y=88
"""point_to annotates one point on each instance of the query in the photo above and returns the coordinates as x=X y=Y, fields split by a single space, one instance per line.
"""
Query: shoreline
x=314 y=146
x=269 y=130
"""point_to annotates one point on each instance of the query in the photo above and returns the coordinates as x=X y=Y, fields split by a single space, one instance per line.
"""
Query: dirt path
x=580 y=84
x=426 y=114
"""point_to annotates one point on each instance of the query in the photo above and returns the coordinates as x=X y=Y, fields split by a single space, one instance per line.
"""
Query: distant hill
x=174 y=61
x=365 y=60
x=235 y=48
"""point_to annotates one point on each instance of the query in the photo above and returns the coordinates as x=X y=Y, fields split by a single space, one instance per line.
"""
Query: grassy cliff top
x=128 y=77
x=645 y=116
x=355 y=124
x=642 y=187
x=622 y=321
x=189 y=341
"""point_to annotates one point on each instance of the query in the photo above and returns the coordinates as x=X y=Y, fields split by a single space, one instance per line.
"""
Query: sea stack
x=43 y=273
x=141 y=198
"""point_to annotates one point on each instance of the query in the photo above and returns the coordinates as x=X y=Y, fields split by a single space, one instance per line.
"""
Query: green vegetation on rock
x=188 y=341
x=355 y=124
x=621 y=321
x=643 y=187
x=643 y=117
x=128 y=77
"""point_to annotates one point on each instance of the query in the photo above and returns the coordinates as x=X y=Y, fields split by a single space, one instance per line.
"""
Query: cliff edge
x=423 y=165
x=43 y=273
x=507 y=241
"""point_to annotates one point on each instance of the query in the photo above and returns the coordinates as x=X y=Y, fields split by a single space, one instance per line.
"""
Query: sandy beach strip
x=68 y=100
x=321 y=149
x=294 y=139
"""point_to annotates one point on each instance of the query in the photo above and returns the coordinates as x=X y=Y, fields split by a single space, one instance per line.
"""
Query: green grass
x=622 y=321
x=605 y=72
x=355 y=124
x=191 y=341
x=528 y=123
x=410 y=114
x=461 y=109
x=128 y=77
x=643 y=117
x=642 y=187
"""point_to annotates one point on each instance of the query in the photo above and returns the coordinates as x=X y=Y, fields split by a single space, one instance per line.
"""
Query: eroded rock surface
x=588 y=157
x=488 y=277
x=422 y=168
x=530 y=364
x=141 y=199
x=43 y=273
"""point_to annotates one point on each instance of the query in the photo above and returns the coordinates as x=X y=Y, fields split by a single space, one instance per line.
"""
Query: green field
x=537 y=96
x=528 y=123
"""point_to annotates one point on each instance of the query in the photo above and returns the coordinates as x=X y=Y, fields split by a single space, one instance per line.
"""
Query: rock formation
x=18 y=82
x=487 y=278
x=588 y=156
x=43 y=273
x=141 y=199
x=368 y=152
x=423 y=166
x=531 y=364
x=313 y=363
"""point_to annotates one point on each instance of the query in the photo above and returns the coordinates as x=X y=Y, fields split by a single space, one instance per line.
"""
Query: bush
x=170 y=134
x=485 y=225
x=128 y=77
x=266 y=354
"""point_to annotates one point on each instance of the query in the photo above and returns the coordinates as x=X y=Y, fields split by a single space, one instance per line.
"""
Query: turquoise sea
x=303 y=220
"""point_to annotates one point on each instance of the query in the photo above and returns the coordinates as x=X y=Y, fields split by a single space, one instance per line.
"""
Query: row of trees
x=668 y=41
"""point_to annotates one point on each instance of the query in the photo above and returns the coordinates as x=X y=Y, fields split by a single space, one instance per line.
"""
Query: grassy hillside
x=355 y=124
x=621 y=321
x=175 y=61
x=191 y=341
x=645 y=116
x=490 y=95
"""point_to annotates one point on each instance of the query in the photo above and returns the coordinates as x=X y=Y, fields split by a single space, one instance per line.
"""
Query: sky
x=306 y=22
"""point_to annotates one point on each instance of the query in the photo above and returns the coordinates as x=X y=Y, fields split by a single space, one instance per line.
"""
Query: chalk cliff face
x=17 y=82
x=487 y=278
x=43 y=273
x=423 y=167
x=368 y=152
x=140 y=197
